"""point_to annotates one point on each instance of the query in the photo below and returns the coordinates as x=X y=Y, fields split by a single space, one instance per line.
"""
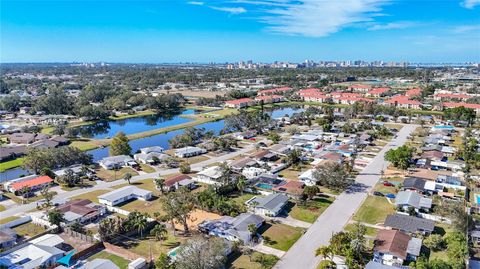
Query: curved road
x=337 y=215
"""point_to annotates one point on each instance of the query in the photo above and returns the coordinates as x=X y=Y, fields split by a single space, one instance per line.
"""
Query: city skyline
x=231 y=31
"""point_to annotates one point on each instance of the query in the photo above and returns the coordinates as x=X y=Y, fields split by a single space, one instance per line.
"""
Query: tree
x=457 y=249
x=127 y=177
x=252 y=228
x=241 y=183
x=160 y=183
x=178 y=206
x=460 y=113
x=47 y=195
x=163 y=262
x=159 y=231
x=325 y=252
x=226 y=173
x=274 y=137
x=294 y=157
x=400 y=157
x=77 y=227
x=434 y=242
x=332 y=176
x=55 y=217
x=25 y=192
x=109 y=227
x=202 y=253
x=70 y=178
x=185 y=168
x=137 y=221
x=38 y=159
x=119 y=145
x=311 y=191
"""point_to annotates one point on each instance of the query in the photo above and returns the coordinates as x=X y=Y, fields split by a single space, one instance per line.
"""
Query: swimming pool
x=444 y=127
x=477 y=198
x=264 y=186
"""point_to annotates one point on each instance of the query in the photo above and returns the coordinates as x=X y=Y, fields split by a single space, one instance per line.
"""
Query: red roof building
x=475 y=107
x=378 y=92
x=239 y=103
x=270 y=98
x=315 y=97
x=449 y=96
x=403 y=101
x=274 y=91
x=359 y=88
x=413 y=92
x=33 y=184
x=308 y=91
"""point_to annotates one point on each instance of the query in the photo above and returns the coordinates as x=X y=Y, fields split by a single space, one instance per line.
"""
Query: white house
x=232 y=229
x=115 y=162
x=124 y=194
x=307 y=178
x=253 y=172
x=155 y=149
x=210 y=175
x=189 y=152
x=149 y=158
x=41 y=252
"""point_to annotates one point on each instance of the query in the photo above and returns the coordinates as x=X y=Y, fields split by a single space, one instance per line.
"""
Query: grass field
x=369 y=230
x=374 y=210
x=142 y=247
x=147 y=168
x=241 y=199
x=149 y=207
x=146 y=184
x=280 y=236
x=6 y=220
x=28 y=229
x=241 y=261
x=110 y=175
x=84 y=144
x=119 y=261
x=10 y=164
x=92 y=196
x=311 y=210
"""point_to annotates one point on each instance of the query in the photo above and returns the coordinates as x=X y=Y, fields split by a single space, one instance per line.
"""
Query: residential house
x=269 y=206
x=359 y=88
x=151 y=157
x=414 y=184
x=292 y=188
x=280 y=149
x=21 y=138
x=173 y=183
x=124 y=194
x=269 y=99
x=44 y=144
x=378 y=92
x=99 y=264
x=451 y=96
x=475 y=107
x=10 y=152
x=232 y=229
x=155 y=149
x=41 y=252
x=211 y=175
x=34 y=184
x=402 y=101
x=413 y=92
x=189 y=152
x=265 y=156
x=81 y=211
x=239 y=165
x=116 y=162
x=239 y=103
x=409 y=224
x=307 y=178
x=281 y=90
x=406 y=199
x=253 y=172
x=451 y=182
x=392 y=247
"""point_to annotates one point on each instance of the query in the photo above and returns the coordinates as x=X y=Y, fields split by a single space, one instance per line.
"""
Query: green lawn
x=119 y=261
x=369 y=230
x=28 y=229
x=84 y=144
x=386 y=189
x=2 y=208
x=142 y=247
x=147 y=184
x=149 y=207
x=5 y=220
x=10 y=164
x=311 y=210
x=280 y=236
x=374 y=210
x=92 y=196
x=241 y=261
x=147 y=168
x=241 y=199
x=110 y=175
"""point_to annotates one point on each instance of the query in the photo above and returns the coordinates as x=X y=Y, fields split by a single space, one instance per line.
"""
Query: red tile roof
x=170 y=181
x=275 y=90
x=379 y=90
x=467 y=105
x=453 y=95
x=308 y=91
x=31 y=182
x=402 y=99
x=267 y=97
x=413 y=92
x=239 y=101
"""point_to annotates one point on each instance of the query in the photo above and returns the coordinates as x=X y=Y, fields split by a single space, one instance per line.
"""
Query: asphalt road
x=17 y=210
x=337 y=215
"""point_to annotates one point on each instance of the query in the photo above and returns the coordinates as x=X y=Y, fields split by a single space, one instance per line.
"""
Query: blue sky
x=232 y=30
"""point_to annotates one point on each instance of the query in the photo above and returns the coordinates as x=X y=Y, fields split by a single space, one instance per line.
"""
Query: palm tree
x=324 y=251
x=159 y=231
x=241 y=184
x=25 y=191
x=140 y=223
x=127 y=177
x=160 y=183
x=311 y=191
x=226 y=173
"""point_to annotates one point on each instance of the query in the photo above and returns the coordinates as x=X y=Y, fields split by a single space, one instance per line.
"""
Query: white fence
x=16 y=222
x=434 y=218
x=40 y=219
x=121 y=211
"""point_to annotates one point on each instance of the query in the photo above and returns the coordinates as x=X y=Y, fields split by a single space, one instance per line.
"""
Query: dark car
x=377 y=193
x=387 y=184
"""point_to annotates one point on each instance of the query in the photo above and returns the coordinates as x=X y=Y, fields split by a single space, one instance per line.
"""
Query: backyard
x=92 y=196
x=110 y=175
x=242 y=261
x=28 y=229
x=280 y=236
x=119 y=261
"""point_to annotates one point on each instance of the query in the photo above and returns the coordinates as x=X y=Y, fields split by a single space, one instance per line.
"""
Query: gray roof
x=414 y=246
x=237 y=226
x=414 y=183
x=377 y=265
x=117 y=159
x=272 y=202
x=414 y=199
x=408 y=223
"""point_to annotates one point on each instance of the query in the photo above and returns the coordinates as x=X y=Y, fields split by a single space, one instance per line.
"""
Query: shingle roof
x=414 y=183
x=393 y=242
x=273 y=202
x=409 y=224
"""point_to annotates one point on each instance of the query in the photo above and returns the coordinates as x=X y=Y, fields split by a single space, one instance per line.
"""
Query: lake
x=141 y=124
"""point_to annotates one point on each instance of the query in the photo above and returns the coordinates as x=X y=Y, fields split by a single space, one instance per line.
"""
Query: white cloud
x=196 y=3
x=232 y=10
x=470 y=3
x=466 y=28
x=317 y=18
x=393 y=25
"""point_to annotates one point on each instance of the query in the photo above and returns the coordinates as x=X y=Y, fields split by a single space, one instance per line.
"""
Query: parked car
x=377 y=193
x=390 y=195
x=388 y=184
